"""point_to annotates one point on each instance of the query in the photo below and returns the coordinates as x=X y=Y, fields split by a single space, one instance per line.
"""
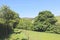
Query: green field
x=58 y=19
x=32 y=35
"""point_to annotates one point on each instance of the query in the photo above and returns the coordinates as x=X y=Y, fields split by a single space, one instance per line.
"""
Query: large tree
x=44 y=21
x=8 y=20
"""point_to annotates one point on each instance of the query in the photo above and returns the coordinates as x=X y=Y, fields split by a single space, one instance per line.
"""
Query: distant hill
x=30 y=19
x=26 y=18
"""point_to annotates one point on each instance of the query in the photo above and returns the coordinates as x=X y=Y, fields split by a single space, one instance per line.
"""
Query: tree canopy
x=8 y=20
x=44 y=20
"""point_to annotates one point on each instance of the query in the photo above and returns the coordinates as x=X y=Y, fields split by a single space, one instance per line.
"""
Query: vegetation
x=11 y=23
x=44 y=21
x=35 y=35
x=25 y=24
x=8 y=20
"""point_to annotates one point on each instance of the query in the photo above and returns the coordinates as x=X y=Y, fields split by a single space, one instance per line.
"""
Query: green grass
x=58 y=19
x=32 y=35
x=18 y=36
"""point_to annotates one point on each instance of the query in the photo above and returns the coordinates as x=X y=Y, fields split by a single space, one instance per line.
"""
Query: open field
x=32 y=35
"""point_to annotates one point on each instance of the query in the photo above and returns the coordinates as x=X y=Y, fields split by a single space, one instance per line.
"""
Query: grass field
x=32 y=35
x=58 y=19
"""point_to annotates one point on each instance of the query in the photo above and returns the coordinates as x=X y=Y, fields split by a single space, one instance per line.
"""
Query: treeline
x=44 y=22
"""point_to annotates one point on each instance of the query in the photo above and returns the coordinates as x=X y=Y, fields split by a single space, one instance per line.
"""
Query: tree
x=44 y=20
x=8 y=20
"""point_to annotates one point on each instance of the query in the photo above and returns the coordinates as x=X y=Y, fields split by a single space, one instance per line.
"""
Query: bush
x=25 y=24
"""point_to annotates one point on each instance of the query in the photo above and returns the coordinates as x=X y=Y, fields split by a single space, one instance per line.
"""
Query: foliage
x=25 y=24
x=8 y=20
x=57 y=29
x=44 y=20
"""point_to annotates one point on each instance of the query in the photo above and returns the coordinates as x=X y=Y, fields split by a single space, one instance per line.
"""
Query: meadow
x=32 y=35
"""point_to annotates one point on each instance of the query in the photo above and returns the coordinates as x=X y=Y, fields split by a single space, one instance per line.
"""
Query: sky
x=31 y=8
